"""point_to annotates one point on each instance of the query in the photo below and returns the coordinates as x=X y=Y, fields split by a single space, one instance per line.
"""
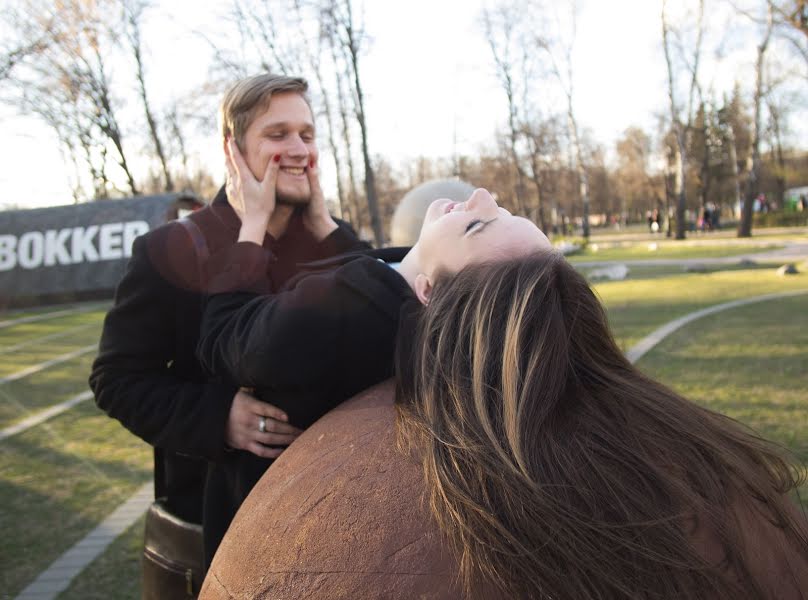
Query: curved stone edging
x=639 y=349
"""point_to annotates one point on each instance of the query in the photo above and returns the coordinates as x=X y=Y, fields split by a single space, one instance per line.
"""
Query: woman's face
x=456 y=234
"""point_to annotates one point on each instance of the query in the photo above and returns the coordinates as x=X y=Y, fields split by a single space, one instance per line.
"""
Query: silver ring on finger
x=262 y=425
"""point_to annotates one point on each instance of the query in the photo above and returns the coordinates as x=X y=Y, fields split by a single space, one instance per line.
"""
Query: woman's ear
x=423 y=288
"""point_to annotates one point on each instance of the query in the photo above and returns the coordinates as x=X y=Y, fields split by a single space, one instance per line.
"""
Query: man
x=146 y=374
x=330 y=332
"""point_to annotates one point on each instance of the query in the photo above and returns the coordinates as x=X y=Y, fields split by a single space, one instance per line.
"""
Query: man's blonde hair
x=251 y=95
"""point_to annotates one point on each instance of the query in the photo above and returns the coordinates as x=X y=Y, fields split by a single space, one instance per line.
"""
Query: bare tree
x=754 y=160
x=777 y=116
x=314 y=59
x=558 y=45
x=501 y=29
x=681 y=125
x=133 y=15
x=66 y=82
x=634 y=180
x=350 y=36
x=542 y=140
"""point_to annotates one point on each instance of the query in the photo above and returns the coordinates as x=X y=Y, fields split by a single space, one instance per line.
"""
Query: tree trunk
x=679 y=158
x=733 y=157
x=352 y=200
x=150 y=120
x=520 y=178
x=754 y=162
x=778 y=157
x=583 y=180
x=370 y=183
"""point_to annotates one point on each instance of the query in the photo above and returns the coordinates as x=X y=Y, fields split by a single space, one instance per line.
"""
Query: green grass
x=115 y=573
x=21 y=398
x=750 y=363
x=27 y=333
x=57 y=482
x=665 y=250
x=637 y=307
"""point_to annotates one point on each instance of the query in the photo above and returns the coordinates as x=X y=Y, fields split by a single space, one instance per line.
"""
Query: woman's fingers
x=275 y=439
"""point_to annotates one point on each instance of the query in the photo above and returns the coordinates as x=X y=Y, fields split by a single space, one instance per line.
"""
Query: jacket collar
x=388 y=255
x=225 y=213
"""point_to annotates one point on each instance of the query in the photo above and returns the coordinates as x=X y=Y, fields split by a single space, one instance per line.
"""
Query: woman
x=558 y=470
x=329 y=332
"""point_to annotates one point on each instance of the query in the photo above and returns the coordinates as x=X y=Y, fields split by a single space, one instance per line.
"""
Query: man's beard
x=284 y=199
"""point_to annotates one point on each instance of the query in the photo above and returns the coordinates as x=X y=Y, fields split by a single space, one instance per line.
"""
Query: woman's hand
x=258 y=427
x=253 y=200
x=316 y=218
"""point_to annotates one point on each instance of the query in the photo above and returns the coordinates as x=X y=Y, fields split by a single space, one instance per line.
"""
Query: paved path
x=794 y=252
x=58 y=576
x=718 y=237
x=651 y=340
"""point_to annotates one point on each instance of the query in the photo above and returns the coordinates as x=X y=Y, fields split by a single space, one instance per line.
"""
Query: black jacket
x=146 y=374
x=329 y=334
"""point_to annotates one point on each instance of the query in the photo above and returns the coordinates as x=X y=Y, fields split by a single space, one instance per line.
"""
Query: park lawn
x=638 y=306
x=667 y=250
x=31 y=332
x=46 y=312
x=114 y=573
x=24 y=397
x=750 y=363
x=35 y=352
x=57 y=482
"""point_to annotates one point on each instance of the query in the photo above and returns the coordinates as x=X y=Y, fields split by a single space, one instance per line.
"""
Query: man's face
x=456 y=234
x=286 y=128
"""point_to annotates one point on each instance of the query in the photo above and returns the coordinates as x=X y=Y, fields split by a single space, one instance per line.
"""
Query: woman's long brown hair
x=558 y=470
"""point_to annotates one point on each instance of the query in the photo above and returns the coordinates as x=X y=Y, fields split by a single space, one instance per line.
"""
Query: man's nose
x=295 y=146
x=481 y=201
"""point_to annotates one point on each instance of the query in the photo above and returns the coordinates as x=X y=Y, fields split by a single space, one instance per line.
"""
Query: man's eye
x=276 y=136
x=472 y=225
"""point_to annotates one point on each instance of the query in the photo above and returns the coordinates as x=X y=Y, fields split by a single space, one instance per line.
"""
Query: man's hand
x=316 y=218
x=253 y=200
x=242 y=430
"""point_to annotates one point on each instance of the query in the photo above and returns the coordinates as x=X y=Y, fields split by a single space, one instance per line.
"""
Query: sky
x=428 y=78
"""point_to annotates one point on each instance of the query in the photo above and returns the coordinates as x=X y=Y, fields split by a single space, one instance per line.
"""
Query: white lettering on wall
x=8 y=252
x=82 y=244
x=72 y=245
x=55 y=250
x=31 y=249
x=131 y=230
x=109 y=244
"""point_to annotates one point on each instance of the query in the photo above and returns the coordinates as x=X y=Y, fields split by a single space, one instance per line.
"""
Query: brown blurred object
x=339 y=515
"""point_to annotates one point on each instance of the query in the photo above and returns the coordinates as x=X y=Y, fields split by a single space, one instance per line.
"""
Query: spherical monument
x=409 y=214
x=339 y=515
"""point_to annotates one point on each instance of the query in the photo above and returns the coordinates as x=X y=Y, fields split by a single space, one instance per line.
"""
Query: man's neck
x=279 y=221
